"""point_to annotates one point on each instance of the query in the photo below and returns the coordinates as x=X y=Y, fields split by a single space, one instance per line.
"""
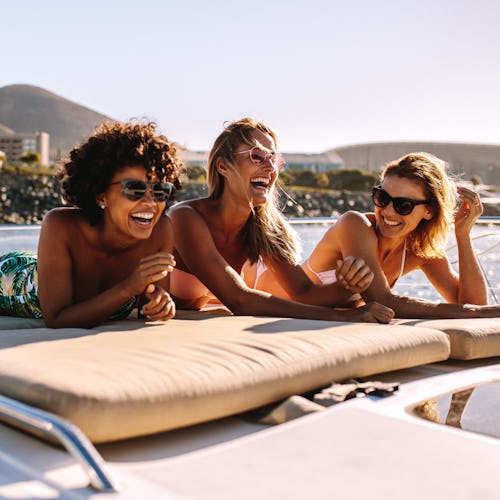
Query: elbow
x=303 y=293
x=190 y=304
x=385 y=298
x=50 y=323
x=61 y=322
x=243 y=304
x=54 y=323
x=239 y=308
x=483 y=301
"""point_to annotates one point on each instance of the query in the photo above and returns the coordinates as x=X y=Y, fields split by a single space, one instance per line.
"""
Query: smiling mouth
x=144 y=218
x=260 y=182
x=390 y=222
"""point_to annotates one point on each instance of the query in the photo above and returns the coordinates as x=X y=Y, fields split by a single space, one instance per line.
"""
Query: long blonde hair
x=266 y=232
x=429 y=238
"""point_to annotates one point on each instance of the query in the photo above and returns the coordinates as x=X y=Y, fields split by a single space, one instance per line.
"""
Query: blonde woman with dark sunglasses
x=414 y=211
x=113 y=245
x=239 y=223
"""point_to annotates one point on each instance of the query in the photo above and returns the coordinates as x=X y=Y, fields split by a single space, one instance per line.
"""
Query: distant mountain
x=26 y=108
x=464 y=160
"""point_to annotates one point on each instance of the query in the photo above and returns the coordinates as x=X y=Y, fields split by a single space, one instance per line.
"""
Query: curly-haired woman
x=111 y=245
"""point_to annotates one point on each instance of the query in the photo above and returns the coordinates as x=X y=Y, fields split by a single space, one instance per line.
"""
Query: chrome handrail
x=54 y=428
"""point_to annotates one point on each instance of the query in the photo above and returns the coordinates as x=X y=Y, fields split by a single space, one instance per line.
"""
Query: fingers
x=380 y=313
x=353 y=274
x=152 y=263
x=155 y=267
x=469 y=211
x=160 y=306
x=471 y=198
x=369 y=313
x=163 y=256
x=376 y=313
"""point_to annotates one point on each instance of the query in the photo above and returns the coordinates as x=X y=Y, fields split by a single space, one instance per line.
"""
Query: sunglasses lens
x=161 y=192
x=134 y=190
x=278 y=161
x=258 y=156
x=403 y=206
x=380 y=197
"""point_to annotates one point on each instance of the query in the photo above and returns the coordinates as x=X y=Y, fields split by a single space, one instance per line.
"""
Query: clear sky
x=322 y=73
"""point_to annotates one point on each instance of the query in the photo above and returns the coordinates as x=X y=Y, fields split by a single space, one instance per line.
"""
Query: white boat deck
x=362 y=448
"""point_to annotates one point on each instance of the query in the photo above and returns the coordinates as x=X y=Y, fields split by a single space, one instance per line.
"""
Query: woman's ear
x=221 y=166
x=429 y=214
x=101 y=202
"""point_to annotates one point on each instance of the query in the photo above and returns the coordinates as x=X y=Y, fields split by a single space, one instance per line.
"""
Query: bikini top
x=326 y=277
x=330 y=276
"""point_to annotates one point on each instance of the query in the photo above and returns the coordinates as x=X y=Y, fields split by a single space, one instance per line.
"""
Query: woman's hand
x=469 y=211
x=160 y=306
x=353 y=274
x=151 y=269
x=369 y=313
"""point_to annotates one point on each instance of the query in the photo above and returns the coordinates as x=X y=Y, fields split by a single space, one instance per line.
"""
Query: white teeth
x=143 y=215
x=260 y=180
x=391 y=223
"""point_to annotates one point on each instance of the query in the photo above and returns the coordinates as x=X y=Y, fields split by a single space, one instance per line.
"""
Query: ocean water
x=486 y=239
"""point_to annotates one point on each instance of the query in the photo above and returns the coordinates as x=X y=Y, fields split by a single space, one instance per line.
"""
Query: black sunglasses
x=136 y=190
x=403 y=206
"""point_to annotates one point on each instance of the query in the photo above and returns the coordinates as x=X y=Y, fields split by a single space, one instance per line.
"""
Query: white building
x=15 y=145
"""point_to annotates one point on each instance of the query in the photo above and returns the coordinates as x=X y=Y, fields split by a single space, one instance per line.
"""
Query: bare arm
x=195 y=244
x=472 y=287
x=356 y=237
x=353 y=276
x=56 y=281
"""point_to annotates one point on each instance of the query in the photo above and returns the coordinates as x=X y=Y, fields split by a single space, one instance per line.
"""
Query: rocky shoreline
x=26 y=199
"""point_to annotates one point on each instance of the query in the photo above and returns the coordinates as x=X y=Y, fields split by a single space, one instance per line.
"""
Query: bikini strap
x=403 y=260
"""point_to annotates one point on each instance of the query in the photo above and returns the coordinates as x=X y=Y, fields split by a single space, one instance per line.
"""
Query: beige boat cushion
x=470 y=338
x=12 y=323
x=131 y=378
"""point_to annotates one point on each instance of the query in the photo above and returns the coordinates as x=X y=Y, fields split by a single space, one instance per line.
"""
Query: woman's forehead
x=403 y=187
x=262 y=139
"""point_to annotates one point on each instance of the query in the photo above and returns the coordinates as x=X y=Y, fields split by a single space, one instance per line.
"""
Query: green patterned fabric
x=124 y=310
x=19 y=285
x=19 y=288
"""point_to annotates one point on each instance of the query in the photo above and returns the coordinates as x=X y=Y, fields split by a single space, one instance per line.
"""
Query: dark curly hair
x=113 y=146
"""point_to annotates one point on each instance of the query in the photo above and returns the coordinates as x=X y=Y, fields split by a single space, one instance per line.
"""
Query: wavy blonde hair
x=266 y=232
x=429 y=237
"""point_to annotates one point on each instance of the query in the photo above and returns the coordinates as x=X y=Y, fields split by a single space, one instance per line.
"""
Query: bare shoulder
x=62 y=214
x=190 y=211
x=350 y=221
x=355 y=219
x=62 y=230
x=62 y=219
x=185 y=208
x=354 y=231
